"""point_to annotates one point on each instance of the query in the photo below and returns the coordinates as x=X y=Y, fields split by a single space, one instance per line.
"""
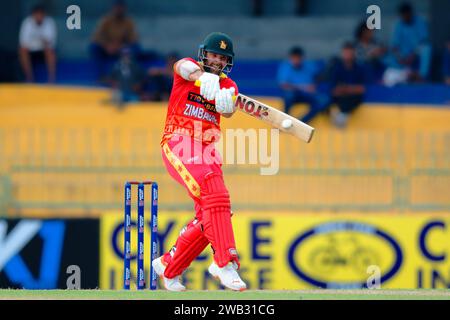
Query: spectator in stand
x=161 y=79
x=296 y=78
x=37 y=41
x=348 y=88
x=127 y=79
x=369 y=53
x=410 y=56
x=114 y=32
x=447 y=63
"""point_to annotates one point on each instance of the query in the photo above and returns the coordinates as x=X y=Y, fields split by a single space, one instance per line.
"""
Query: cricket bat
x=276 y=118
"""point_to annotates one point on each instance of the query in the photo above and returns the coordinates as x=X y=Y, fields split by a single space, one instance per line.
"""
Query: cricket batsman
x=188 y=150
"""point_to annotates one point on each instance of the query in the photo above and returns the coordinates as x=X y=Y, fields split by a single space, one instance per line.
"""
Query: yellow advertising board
x=281 y=250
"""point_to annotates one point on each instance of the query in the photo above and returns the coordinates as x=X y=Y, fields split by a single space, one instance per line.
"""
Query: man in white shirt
x=37 y=40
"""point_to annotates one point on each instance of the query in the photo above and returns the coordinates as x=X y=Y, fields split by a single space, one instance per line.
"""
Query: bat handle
x=197 y=83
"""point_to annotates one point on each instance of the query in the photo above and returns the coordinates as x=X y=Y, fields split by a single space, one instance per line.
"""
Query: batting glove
x=224 y=101
x=209 y=85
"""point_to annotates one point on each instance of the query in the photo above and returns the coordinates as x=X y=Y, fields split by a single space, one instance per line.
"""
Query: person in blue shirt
x=296 y=78
x=410 y=48
x=348 y=85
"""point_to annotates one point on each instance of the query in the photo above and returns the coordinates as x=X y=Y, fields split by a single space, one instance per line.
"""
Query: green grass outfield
x=417 y=294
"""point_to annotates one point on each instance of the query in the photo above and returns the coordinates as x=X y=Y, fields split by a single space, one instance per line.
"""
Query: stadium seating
x=68 y=149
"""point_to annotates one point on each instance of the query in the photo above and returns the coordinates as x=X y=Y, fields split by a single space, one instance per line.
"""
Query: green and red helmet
x=220 y=43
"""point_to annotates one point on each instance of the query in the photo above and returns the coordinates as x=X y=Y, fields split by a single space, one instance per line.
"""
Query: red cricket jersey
x=190 y=114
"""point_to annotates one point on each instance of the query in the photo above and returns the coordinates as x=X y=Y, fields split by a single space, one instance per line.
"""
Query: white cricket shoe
x=228 y=276
x=173 y=284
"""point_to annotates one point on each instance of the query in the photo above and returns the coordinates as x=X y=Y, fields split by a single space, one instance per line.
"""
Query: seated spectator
x=347 y=82
x=37 y=40
x=447 y=63
x=369 y=53
x=161 y=79
x=114 y=32
x=296 y=78
x=127 y=79
x=410 y=55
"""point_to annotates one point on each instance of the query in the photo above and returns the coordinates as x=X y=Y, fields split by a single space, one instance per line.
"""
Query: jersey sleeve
x=179 y=78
